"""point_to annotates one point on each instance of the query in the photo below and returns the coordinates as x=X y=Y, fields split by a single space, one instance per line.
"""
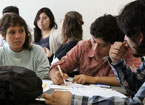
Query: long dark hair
x=72 y=26
x=132 y=21
x=37 y=31
x=12 y=19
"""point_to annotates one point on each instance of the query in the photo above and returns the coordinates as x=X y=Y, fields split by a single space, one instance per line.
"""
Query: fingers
x=117 y=53
x=58 y=98
x=56 y=77
x=125 y=44
x=65 y=76
x=76 y=77
x=57 y=81
x=79 y=79
x=46 y=96
x=118 y=50
x=49 y=99
x=125 y=47
x=59 y=78
x=48 y=52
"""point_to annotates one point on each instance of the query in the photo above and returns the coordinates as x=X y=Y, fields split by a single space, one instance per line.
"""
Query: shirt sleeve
x=42 y=63
x=127 y=78
x=55 y=41
x=98 y=100
x=133 y=82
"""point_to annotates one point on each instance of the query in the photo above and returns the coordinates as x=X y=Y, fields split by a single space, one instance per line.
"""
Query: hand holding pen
x=61 y=74
x=57 y=77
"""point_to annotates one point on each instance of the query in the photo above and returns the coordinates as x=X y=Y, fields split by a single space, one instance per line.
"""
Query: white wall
x=90 y=9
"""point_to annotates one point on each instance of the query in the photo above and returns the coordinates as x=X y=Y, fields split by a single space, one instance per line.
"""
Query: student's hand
x=83 y=79
x=118 y=50
x=48 y=52
x=58 y=98
x=56 y=76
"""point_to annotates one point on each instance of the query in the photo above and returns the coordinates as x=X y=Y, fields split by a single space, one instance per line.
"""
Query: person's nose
x=41 y=21
x=125 y=38
x=17 y=36
x=96 y=46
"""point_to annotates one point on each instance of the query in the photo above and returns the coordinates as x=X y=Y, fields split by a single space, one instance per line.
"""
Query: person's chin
x=18 y=47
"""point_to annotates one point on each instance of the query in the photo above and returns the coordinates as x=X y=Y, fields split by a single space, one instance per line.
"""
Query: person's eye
x=102 y=45
x=21 y=31
x=44 y=18
x=11 y=32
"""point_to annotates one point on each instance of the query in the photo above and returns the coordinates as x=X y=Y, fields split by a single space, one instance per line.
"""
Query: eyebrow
x=99 y=43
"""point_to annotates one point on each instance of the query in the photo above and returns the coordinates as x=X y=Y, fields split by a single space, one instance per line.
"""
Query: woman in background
x=71 y=33
x=20 y=51
x=45 y=31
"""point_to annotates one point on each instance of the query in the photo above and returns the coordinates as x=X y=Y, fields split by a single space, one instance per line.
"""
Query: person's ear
x=3 y=36
x=141 y=37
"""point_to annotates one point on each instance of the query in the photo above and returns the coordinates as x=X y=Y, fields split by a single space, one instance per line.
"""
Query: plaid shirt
x=133 y=82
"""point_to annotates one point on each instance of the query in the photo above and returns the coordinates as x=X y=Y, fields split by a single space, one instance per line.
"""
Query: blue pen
x=104 y=85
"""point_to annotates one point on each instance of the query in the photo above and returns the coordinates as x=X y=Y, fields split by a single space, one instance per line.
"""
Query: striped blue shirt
x=132 y=82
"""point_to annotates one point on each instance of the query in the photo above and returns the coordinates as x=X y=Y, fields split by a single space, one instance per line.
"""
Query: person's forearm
x=107 y=80
x=126 y=77
x=52 y=72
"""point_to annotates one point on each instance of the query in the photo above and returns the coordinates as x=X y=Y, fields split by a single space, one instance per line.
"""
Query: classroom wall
x=90 y=9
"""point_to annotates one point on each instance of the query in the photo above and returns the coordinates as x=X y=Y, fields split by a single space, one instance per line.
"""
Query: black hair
x=12 y=9
x=37 y=31
x=132 y=22
x=106 y=27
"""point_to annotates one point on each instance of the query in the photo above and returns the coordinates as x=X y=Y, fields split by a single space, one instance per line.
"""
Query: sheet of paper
x=46 y=84
x=91 y=91
x=82 y=90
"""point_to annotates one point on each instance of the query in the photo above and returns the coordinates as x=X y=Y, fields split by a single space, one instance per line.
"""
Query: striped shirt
x=133 y=82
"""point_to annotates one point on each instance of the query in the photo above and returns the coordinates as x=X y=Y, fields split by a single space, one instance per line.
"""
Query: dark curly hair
x=106 y=27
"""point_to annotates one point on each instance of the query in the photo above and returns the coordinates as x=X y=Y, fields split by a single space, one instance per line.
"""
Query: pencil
x=61 y=73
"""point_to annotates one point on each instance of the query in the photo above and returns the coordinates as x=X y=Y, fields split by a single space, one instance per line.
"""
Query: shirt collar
x=91 y=53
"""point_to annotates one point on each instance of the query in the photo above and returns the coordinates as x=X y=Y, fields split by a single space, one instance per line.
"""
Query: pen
x=103 y=85
x=61 y=73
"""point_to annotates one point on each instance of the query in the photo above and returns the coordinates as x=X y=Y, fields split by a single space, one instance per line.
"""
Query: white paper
x=82 y=90
x=46 y=84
